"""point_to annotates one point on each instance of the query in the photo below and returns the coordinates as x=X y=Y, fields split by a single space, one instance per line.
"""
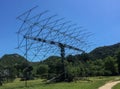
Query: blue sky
x=101 y=17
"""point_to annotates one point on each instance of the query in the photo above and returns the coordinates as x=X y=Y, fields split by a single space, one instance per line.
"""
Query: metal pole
x=26 y=59
x=62 y=59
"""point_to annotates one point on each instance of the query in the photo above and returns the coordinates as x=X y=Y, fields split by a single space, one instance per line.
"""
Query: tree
x=72 y=71
x=1 y=74
x=9 y=73
x=111 y=66
x=118 y=61
x=27 y=73
x=42 y=70
x=96 y=67
x=84 y=57
x=18 y=69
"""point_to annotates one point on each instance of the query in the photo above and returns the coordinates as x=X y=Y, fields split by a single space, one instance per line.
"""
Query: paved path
x=109 y=85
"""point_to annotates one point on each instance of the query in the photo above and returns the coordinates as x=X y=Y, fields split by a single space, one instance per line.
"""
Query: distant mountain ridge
x=102 y=52
x=11 y=59
x=98 y=53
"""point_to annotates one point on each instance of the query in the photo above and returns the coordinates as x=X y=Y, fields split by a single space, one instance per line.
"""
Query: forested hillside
x=102 y=52
x=12 y=59
x=103 y=61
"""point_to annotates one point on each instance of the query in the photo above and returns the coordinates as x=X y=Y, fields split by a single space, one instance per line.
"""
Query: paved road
x=109 y=85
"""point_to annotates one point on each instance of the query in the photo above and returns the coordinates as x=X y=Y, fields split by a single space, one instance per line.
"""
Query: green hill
x=98 y=53
x=103 y=52
x=12 y=59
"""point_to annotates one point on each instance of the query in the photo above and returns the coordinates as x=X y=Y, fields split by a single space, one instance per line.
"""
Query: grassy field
x=117 y=86
x=91 y=83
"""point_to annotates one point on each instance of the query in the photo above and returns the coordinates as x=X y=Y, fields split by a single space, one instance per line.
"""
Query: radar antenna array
x=44 y=35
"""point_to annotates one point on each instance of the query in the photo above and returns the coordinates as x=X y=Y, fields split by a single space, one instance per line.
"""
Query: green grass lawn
x=116 y=86
x=93 y=83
